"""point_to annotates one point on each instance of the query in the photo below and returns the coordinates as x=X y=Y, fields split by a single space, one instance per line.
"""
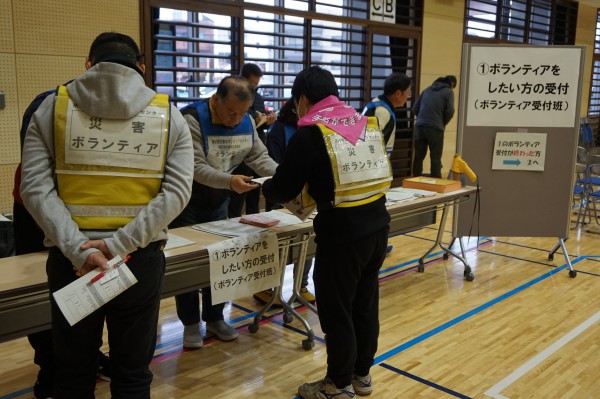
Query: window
x=594 y=106
x=191 y=46
x=192 y=50
x=274 y=42
x=595 y=86
x=193 y=53
x=340 y=47
x=539 y=22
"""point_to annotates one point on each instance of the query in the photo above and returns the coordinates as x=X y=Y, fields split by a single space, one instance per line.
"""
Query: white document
x=228 y=227
x=79 y=299
x=176 y=242
x=285 y=219
x=399 y=195
x=260 y=180
x=241 y=266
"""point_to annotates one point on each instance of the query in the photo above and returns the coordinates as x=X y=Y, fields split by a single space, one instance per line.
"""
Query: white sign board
x=519 y=151
x=243 y=265
x=383 y=11
x=523 y=86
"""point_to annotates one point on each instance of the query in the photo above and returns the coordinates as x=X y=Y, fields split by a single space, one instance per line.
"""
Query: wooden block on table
x=432 y=184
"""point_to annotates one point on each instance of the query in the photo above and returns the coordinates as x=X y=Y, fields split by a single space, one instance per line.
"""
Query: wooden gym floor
x=522 y=329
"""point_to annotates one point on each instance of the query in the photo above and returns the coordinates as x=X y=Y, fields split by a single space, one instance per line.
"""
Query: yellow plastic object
x=460 y=166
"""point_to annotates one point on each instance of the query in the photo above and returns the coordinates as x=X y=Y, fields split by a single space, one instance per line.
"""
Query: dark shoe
x=104 y=367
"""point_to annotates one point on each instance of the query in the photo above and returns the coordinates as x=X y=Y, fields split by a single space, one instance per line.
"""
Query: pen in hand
x=100 y=275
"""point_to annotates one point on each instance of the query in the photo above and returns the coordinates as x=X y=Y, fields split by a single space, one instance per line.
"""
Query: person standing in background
x=107 y=105
x=434 y=109
x=278 y=138
x=262 y=119
x=396 y=90
x=220 y=124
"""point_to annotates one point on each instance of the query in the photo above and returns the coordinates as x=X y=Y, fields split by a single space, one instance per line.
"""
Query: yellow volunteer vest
x=107 y=170
x=362 y=173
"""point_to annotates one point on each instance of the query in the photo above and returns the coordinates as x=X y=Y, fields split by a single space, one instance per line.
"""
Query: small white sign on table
x=241 y=266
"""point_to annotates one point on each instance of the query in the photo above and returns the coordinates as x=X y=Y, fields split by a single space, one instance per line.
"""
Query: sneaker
x=306 y=294
x=363 y=386
x=104 y=367
x=265 y=296
x=192 y=338
x=388 y=249
x=222 y=330
x=325 y=389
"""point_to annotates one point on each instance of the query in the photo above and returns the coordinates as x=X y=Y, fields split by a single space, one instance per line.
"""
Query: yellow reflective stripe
x=101 y=223
x=107 y=190
x=104 y=211
x=349 y=204
x=98 y=173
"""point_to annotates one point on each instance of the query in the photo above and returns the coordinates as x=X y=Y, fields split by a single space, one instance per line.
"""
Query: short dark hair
x=287 y=113
x=451 y=79
x=236 y=86
x=315 y=83
x=250 y=69
x=115 y=47
x=396 y=81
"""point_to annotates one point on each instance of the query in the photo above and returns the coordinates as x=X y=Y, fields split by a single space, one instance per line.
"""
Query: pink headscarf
x=339 y=117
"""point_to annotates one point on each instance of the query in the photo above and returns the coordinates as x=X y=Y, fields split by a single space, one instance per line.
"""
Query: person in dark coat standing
x=434 y=109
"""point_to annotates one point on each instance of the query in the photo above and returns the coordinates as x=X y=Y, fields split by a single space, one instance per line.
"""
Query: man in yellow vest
x=107 y=165
x=337 y=160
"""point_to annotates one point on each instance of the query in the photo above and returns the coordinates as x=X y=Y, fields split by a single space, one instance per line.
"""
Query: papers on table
x=79 y=299
x=176 y=242
x=233 y=228
x=228 y=228
x=401 y=194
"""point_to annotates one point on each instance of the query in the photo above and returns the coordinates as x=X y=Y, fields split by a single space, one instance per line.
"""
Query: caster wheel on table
x=253 y=328
x=469 y=276
x=308 y=344
x=288 y=317
x=572 y=273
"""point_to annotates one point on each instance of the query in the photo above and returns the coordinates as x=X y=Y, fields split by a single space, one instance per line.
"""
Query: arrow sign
x=511 y=162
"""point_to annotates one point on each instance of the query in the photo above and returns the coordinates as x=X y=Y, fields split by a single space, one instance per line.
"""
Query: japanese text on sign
x=227 y=152
x=519 y=151
x=365 y=161
x=518 y=86
x=243 y=265
x=138 y=142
